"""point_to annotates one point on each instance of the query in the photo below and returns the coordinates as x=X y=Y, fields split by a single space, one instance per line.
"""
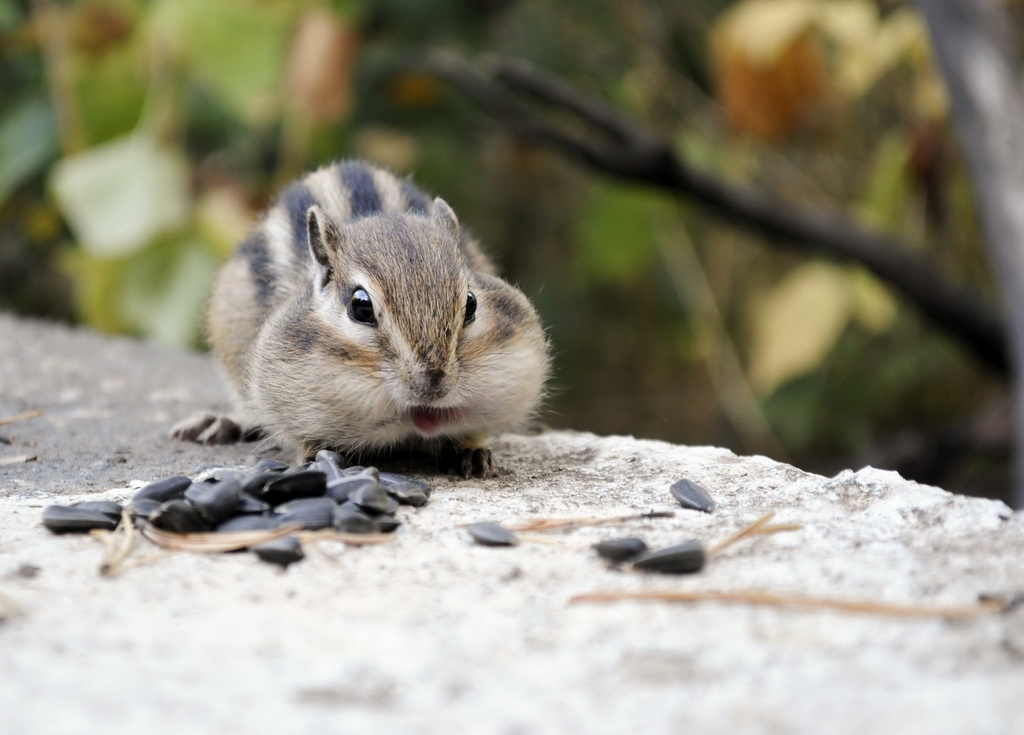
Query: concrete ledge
x=429 y=633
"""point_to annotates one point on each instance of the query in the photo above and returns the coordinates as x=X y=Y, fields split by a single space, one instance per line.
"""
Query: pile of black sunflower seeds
x=316 y=495
x=324 y=494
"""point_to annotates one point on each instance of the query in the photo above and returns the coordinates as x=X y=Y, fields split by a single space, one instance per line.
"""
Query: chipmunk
x=358 y=316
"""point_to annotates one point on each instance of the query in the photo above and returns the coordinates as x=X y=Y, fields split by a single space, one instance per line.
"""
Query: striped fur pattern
x=312 y=376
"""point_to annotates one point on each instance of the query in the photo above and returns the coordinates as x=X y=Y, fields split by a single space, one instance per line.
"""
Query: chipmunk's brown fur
x=345 y=320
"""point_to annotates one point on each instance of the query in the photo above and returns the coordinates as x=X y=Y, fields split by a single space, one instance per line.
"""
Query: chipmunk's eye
x=360 y=308
x=470 y=309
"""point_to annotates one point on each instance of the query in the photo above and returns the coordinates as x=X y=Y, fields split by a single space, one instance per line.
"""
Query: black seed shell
x=248 y=523
x=67 y=519
x=310 y=514
x=371 y=498
x=327 y=457
x=249 y=505
x=301 y=484
x=331 y=471
x=143 y=508
x=216 y=502
x=683 y=558
x=223 y=475
x=163 y=490
x=620 y=549
x=255 y=485
x=693 y=496
x=270 y=465
x=407 y=493
x=343 y=487
x=281 y=551
x=179 y=516
x=491 y=534
x=390 y=480
x=348 y=518
x=107 y=507
x=387 y=523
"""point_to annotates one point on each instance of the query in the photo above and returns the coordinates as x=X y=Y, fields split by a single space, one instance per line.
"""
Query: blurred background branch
x=630 y=152
x=980 y=62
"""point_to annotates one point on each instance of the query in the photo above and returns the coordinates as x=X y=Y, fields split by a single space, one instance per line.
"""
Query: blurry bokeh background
x=138 y=140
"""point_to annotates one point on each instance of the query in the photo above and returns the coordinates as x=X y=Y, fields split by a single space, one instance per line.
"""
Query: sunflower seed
x=248 y=505
x=66 y=519
x=387 y=523
x=620 y=549
x=350 y=519
x=255 y=485
x=360 y=470
x=391 y=507
x=683 y=558
x=107 y=507
x=179 y=516
x=491 y=534
x=693 y=496
x=281 y=551
x=330 y=470
x=271 y=465
x=143 y=508
x=163 y=490
x=248 y=523
x=407 y=493
x=310 y=514
x=391 y=479
x=341 y=488
x=326 y=455
x=301 y=484
x=217 y=501
x=223 y=475
x=372 y=498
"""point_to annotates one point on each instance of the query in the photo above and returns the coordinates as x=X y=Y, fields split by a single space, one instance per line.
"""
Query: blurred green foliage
x=139 y=139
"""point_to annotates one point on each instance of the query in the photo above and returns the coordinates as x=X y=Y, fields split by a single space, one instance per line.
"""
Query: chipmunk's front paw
x=208 y=428
x=470 y=461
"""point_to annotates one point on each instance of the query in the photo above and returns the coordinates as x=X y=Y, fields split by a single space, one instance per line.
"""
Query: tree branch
x=616 y=145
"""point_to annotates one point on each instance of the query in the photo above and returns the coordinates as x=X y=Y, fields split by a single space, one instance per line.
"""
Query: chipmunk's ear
x=443 y=214
x=324 y=236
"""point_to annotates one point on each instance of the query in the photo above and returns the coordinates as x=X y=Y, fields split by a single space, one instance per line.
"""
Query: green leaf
x=235 y=48
x=617 y=233
x=10 y=15
x=110 y=90
x=28 y=141
x=116 y=197
x=885 y=196
x=165 y=288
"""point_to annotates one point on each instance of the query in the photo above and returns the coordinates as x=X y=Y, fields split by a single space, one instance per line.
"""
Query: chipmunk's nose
x=432 y=384
x=434 y=377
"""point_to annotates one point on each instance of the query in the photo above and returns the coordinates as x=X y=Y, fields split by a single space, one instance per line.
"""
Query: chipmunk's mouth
x=431 y=420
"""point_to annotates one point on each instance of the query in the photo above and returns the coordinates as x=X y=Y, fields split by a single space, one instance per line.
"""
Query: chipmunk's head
x=446 y=351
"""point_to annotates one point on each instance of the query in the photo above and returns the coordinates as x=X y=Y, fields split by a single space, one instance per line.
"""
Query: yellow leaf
x=869 y=47
x=796 y=323
x=849 y=23
x=873 y=304
x=764 y=29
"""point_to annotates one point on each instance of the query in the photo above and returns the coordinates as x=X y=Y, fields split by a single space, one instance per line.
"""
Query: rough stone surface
x=432 y=633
